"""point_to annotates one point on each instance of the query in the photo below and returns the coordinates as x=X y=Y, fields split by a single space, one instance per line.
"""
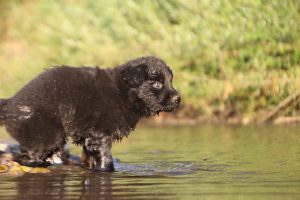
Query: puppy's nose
x=176 y=99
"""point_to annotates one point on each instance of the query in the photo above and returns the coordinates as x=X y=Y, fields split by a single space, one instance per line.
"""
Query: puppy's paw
x=35 y=163
x=56 y=159
x=109 y=167
x=24 y=159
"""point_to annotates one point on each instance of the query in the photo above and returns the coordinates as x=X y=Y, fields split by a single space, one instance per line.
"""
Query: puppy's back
x=54 y=83
x=49 y=90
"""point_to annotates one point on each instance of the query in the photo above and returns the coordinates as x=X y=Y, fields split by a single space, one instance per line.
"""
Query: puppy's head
x=150 y=79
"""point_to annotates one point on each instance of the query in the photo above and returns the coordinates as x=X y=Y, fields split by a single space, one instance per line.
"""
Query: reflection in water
x=207 y=162
x=32 y=186
x=97 y=186
x=64 y=186
x=84 y=185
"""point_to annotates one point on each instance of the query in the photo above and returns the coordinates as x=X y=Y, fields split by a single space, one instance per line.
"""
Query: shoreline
x=173 y=120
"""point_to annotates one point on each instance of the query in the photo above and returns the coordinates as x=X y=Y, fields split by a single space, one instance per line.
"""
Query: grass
x=230 y=58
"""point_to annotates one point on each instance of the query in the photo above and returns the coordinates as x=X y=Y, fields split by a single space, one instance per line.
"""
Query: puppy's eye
x=153 y=72
x=157 y=85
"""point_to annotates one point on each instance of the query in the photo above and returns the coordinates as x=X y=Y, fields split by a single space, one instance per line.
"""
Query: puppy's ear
x=135 y=75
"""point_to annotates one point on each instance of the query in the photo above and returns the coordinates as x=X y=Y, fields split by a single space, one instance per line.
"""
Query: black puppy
x=92 y=106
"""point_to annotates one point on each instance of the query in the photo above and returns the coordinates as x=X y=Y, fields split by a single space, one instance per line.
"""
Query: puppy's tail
x=3 y=102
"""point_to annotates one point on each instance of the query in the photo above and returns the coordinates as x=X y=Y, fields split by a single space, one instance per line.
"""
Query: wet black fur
x=91 y=106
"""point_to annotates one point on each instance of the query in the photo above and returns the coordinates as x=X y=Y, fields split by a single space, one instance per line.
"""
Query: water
x=205 y=162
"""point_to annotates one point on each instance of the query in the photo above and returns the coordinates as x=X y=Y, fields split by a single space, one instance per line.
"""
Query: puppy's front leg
x=90 y=158
x=97 y=155
x=107 y=164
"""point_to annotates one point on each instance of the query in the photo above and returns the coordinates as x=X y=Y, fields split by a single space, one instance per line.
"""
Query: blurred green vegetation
x=230 y=57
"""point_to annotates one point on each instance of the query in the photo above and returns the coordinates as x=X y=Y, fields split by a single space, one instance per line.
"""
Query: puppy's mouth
x=167 y=109
x=156 y=109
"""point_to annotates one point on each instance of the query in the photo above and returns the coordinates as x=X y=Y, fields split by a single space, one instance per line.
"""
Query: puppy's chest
x=121 y=132
x=117 y=132
x=117 y=123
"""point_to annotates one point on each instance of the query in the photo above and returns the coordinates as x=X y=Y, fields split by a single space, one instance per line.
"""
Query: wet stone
x=9 y=166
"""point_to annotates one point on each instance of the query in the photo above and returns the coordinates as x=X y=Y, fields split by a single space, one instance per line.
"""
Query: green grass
x=228 y=56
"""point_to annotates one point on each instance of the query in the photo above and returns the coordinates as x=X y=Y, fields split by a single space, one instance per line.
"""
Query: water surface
x=204 y=162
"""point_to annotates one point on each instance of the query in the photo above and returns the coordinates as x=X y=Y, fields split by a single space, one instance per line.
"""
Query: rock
x=3 y=168
x=9 y=166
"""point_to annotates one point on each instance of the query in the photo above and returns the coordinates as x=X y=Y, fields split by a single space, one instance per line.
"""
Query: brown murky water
x=205 y=162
